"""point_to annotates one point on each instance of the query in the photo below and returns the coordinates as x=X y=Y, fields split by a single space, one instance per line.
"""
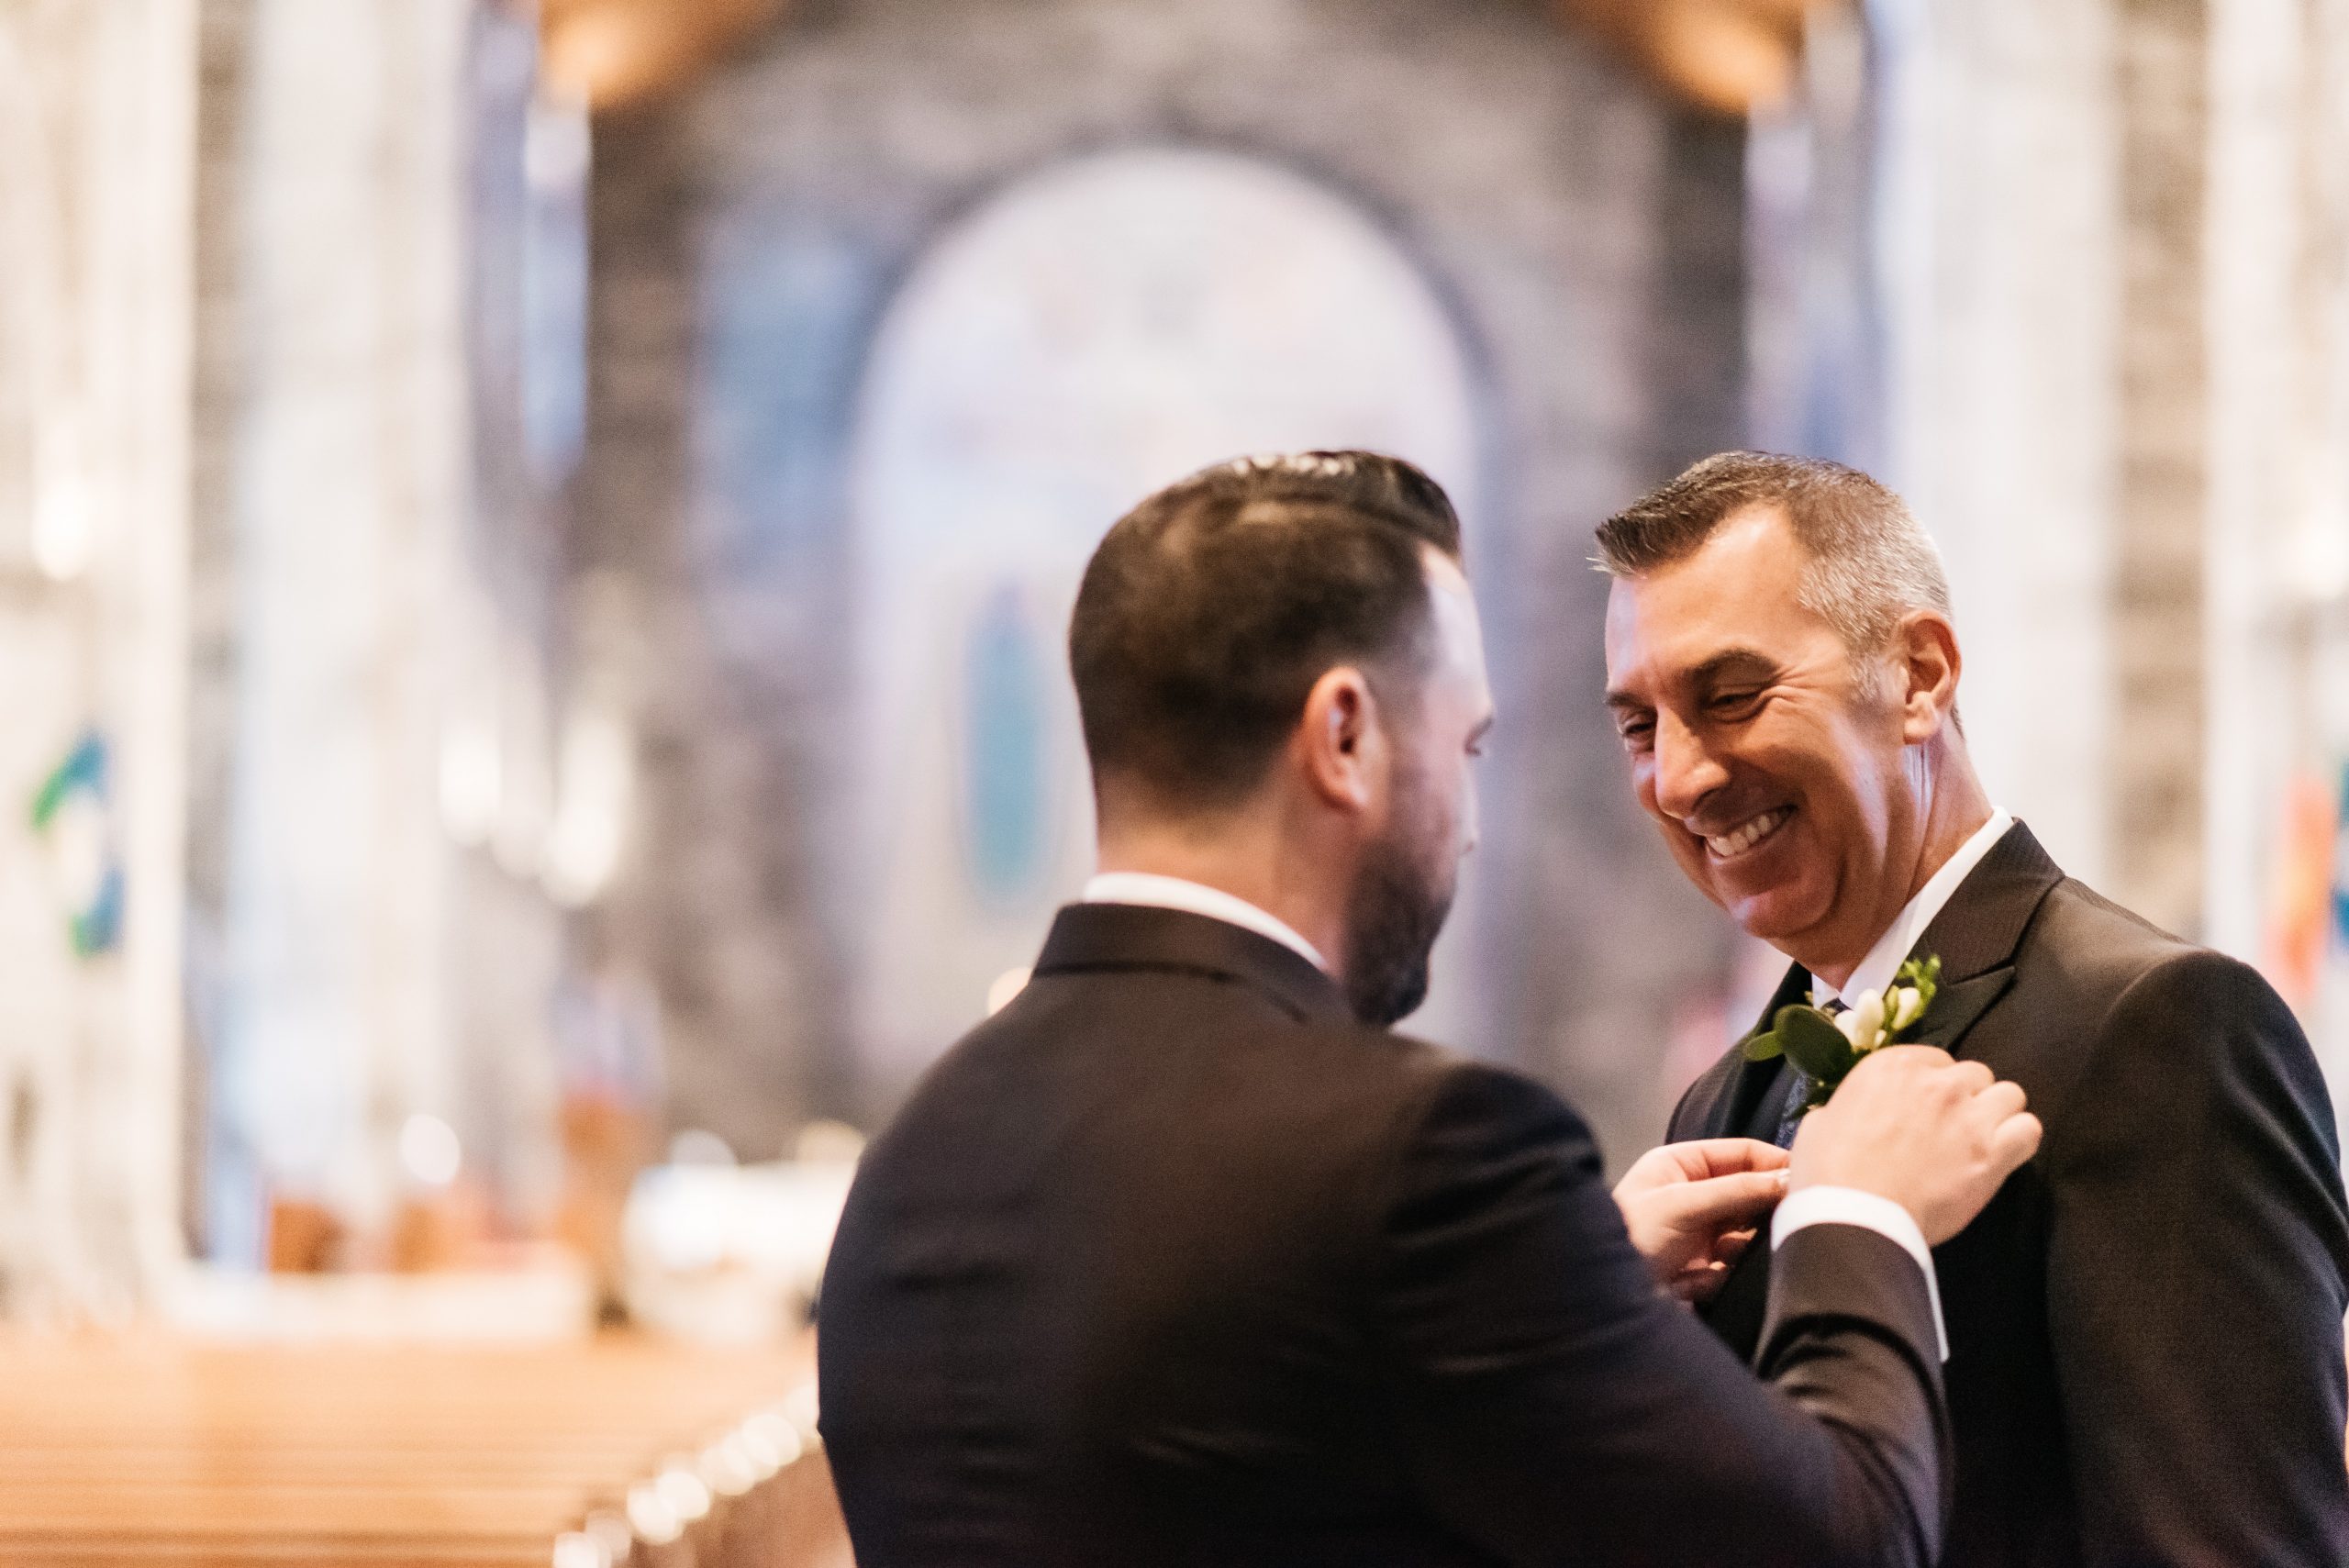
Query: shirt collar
x=1154 y=892
x=1877 y=971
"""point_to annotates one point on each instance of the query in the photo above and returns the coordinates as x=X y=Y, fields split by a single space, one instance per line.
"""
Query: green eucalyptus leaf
x=1763 y=1045
x=1813 y=1043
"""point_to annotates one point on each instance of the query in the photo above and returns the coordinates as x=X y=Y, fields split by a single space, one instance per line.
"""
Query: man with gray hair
x=1183 y=1260
x=2146 y=1360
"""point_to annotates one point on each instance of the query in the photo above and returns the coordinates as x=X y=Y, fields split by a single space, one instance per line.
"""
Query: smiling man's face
x=1771 y=764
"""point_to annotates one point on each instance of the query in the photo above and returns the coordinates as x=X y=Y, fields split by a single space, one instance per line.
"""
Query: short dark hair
x=1870 y=563
x=1209 y=610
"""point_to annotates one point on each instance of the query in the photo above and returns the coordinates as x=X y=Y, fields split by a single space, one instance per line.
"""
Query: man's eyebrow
x=1732 y=663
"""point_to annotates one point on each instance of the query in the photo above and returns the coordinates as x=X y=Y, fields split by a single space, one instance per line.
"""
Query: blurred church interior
x=535 y=542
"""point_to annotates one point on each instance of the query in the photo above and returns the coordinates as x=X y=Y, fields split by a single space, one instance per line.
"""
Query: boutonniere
x=1827 y=1046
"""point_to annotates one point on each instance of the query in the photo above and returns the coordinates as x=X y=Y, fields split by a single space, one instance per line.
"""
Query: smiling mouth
x=1741 y=839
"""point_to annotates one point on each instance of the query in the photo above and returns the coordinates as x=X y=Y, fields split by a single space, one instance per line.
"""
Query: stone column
x=2162 y=496
x=381 y=442
x=339 y=403
x=96 y=158
x=1998 y=234
x=2122 y=399
x=2278 y=547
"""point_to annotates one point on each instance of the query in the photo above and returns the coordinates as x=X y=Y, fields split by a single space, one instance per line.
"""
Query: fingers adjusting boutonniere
x=1827 y=1046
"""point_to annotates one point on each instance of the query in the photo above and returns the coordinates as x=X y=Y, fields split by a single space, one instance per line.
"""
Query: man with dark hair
x=2145 y=1325
x=1204 y=619
x=1182 y=1258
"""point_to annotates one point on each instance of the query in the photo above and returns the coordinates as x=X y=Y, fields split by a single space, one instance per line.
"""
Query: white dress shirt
x=1882 y=964
x=1849 y=1205
x=1869 y=1211
x=1154 y=892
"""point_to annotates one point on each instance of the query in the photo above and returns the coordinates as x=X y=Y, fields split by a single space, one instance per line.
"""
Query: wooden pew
x=619 y=1454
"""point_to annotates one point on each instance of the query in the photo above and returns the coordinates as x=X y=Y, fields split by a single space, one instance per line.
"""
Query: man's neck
x=1954 y=806
x=1256 y=865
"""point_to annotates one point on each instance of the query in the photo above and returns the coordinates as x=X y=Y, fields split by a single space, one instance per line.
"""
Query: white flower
x=1863 y=1023
x=1908 y=1007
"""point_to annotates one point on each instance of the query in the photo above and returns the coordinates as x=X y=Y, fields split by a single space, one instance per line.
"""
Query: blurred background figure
x=607 y=1041
x=535 y=545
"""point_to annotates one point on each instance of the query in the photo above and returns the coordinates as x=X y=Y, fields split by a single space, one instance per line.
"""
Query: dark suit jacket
x=2145 y=1345
x=1172 y=1261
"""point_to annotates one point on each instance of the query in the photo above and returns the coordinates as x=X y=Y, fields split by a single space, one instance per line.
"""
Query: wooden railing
x=132 y=1452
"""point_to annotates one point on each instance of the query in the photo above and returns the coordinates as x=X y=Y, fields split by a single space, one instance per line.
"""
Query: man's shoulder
x=2115 y=941
x=2103 y=996
x=1432 y=1095
x=2102 y=953
x=1216 y=1058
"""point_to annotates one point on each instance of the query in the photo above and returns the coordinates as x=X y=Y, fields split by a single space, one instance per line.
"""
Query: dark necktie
x=1799 y=1088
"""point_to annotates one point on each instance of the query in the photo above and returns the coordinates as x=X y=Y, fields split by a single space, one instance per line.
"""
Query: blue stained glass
x=84 y=768
x=1004 y=750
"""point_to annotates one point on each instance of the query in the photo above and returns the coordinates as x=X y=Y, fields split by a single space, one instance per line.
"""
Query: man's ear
x=1340 y=744
x=1928 y=665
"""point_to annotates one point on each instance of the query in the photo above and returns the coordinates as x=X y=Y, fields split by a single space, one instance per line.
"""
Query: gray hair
x=1869 y=561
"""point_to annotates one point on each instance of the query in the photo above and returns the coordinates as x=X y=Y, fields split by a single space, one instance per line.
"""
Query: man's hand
x=1693 y=1207
x=1936 y=1135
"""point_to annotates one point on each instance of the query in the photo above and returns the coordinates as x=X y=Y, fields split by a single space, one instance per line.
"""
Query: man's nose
x=1686 y=769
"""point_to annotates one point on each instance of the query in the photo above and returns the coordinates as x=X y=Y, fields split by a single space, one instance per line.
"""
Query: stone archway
x=754 y=239
x=1094 y=330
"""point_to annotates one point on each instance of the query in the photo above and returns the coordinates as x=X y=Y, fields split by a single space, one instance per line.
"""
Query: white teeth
x=1743 y=839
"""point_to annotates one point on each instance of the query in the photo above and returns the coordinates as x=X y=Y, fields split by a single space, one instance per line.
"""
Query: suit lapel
x=1754 y=1101
x=1980 y=927
x=1747 y=1103
x=1956 y=1009
x=1976 y=932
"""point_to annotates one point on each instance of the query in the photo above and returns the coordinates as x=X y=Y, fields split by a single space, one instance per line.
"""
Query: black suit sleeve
x=2195 y=1280
x=1559 y=1408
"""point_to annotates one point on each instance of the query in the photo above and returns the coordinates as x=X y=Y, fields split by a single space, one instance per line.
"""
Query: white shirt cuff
x=1850 y=1205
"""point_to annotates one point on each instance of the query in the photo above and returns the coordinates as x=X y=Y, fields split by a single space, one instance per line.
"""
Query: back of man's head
x=1210 y=611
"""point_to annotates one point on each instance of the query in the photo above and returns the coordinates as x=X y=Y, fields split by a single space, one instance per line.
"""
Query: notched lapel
x=1976 y=934
x=1733 y=1113
x=1745 y=1090
x=1978 y=931
x=1738 y=1312
x=1956 y=1009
